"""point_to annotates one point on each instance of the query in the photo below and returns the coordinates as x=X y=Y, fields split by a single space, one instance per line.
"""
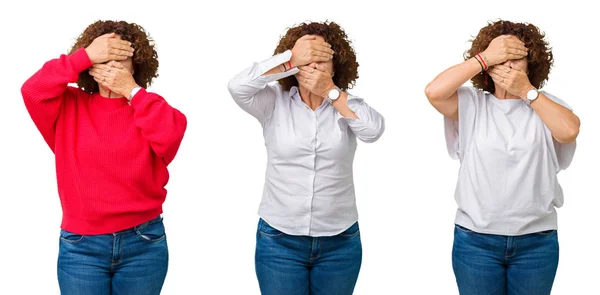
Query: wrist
x=131 y=91
x=325 y=94
x=485 y=62
x=524 y=92
x=90 y=56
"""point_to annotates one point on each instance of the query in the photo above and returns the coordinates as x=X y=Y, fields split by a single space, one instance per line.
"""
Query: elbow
x=570 y=136
x=374 y=134
x=168 y=149
x=233 y=86
x=26 y=90
x=431 y=93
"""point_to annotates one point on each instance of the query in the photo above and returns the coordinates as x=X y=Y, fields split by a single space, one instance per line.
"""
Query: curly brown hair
x=345 y=65
x=539 y=58
x=144 y=60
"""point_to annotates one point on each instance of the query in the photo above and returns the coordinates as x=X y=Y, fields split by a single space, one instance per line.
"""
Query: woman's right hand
x=109 y=47
x=503 y=48
x=308 y=49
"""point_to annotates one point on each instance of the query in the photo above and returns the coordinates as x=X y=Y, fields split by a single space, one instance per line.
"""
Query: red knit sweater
x=111 y=156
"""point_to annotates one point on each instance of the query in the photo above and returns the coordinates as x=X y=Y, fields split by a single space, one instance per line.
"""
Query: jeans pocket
x=268 y=231
x=546 y=232
x=352 y=231
x=151 y=232
x=69 y=237
x=463 y=229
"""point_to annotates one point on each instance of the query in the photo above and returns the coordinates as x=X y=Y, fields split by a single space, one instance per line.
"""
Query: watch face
x=334 y=94
x=532 y=94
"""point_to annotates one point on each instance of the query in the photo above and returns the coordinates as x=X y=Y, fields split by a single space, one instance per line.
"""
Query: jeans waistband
x=140 y=226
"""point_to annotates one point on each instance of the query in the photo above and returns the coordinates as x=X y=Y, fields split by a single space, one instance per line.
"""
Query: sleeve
x=370 y=124
x=458 y=133
x=45 y=91
x=564 y=152
x=250 y=89
x=161 y=124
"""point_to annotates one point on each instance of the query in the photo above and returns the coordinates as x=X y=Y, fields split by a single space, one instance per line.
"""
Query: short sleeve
x=458 y=133
x=564 y=152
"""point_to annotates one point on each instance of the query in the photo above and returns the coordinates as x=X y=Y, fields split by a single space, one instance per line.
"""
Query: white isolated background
x=404 y=182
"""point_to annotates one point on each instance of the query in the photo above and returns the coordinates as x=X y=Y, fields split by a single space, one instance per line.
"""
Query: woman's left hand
x=114 y=76
x=514 y=80
x=316 y=78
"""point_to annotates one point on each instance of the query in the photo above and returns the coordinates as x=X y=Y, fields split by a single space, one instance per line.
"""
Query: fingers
x=308 y=37
x=321 y=68
x=517 y=47
x=322 y=46
x=305 y=75
x=119 y=43
x=121 y=46
x=117 y=57
x=105 y=67
x=501 y=68
x=102 y=82
x=308 y=68
x=319 y=58
x=497 y=79
x=107 y=35
x=117 y=65
x=98 y=74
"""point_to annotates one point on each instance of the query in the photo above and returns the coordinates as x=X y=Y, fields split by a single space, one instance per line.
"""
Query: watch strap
x=134 y=91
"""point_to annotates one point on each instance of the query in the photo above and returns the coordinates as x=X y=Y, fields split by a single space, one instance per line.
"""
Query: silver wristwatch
x=334 y=94
x=532 y=95
x=134 y=91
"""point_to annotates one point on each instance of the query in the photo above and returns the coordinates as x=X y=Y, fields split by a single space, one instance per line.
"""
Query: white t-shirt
x=507 y=182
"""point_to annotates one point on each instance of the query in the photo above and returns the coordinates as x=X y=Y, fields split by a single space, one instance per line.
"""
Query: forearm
x=562 y=122
x=365 y=122
x=341 y=105
x=250 y=90
x=281 y=68
x=161 y=124
x=446 y=83
x=52 y=79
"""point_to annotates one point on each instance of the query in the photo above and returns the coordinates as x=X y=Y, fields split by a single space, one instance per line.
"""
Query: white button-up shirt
x=309 y=187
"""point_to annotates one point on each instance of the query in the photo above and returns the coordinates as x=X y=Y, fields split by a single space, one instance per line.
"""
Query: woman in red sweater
x=112 y=142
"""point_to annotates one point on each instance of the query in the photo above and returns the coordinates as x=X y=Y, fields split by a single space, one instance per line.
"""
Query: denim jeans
x=499 y=265
x=133 y=261
x=302 y=265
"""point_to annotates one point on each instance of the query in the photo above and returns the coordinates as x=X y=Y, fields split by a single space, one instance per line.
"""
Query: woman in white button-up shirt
x=308 y=240
x=511 y=140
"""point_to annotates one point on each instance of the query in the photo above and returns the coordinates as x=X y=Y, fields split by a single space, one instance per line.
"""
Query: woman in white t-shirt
x=511 y=140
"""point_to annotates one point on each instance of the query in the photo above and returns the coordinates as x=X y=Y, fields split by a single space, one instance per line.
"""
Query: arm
x=562 y=122
x=249 y=88
x=442 y=91
x=45 y=91
x=161 y=124
x=365 y=122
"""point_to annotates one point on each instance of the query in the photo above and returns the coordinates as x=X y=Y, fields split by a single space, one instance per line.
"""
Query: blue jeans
x=499 y=265
x=133 y=261
x=302 y=265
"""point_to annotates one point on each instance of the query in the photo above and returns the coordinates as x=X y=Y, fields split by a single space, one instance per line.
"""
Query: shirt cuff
x=272 y=62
